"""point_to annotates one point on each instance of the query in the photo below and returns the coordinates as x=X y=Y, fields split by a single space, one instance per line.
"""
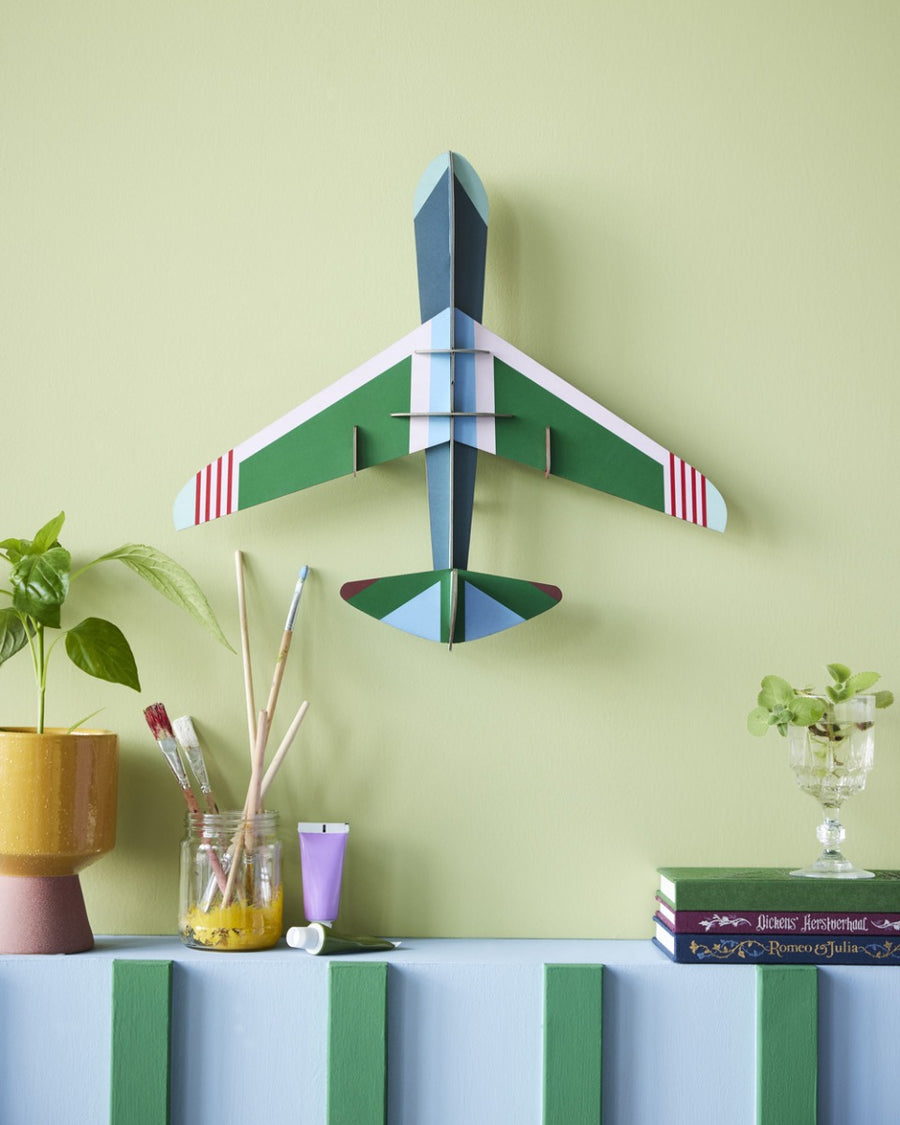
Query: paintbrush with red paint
x=158 y=722
x=161 y=728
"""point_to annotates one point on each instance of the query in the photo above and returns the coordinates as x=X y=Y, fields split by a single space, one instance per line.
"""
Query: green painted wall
x=206 y=216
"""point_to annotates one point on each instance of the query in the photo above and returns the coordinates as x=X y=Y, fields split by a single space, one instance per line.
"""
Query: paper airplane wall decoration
x=452 y=389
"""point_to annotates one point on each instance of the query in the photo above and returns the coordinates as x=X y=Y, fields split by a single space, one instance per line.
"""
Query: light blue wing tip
x=183 y=508
x=716 y=512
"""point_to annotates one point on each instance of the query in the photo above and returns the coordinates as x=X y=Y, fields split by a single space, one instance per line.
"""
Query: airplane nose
x=450 y=219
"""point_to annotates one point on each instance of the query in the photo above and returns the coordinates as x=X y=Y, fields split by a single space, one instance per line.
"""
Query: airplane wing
x=400 y=401
x=344 y=428
x=530 y=415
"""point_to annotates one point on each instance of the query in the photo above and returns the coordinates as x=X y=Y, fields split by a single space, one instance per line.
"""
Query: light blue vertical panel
x=464 y=1041
x=54 y=1039
x=680 y=1042
x=249 y=1037
x=859 y=1029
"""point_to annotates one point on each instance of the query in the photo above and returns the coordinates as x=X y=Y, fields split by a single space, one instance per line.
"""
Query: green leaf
x=884 y=698
x=840 y=673
x=861 y=682
x=758 y=721
x=99 y=648
x=171 y=580
x=775 y=692
x=48 y=535
x=807 y=710
x=81 y=722
x=40 y=585
x=14 y=549
x=13 y=635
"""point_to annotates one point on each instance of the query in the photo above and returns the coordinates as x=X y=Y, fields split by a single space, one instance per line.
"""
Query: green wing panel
x=322 y=447
x=581 y=449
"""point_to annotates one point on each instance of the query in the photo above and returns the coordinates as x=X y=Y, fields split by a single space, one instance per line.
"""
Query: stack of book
x=741 y=915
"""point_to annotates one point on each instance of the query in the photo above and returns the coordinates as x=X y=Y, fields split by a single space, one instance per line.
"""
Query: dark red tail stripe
x=703 y=496
x=208 y=483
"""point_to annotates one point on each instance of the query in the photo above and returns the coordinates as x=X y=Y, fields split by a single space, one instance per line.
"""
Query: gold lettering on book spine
x=774 y=949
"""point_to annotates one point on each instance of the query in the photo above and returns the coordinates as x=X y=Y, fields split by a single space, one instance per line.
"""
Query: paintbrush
x=158 y=721
x=190 y=744
x=281 y=659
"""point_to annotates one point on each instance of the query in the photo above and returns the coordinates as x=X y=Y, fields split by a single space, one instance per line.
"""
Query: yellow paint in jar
x=230 y=855
x=238 y=928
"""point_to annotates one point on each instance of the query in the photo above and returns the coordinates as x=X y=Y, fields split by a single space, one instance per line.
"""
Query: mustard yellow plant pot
x=58 y=793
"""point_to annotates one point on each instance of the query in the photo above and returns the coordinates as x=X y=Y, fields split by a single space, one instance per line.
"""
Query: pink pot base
x=43 y=914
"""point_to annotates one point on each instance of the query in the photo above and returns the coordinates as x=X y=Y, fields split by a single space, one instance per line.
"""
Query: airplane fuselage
x=450 y=220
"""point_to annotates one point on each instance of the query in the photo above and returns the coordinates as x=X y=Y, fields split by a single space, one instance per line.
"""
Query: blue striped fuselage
x=451 y=245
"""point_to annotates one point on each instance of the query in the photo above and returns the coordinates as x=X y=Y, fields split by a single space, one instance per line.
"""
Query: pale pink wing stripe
x=215 y=489
x=685 y=491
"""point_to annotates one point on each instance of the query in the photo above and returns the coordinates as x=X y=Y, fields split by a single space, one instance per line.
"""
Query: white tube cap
x=309 y=938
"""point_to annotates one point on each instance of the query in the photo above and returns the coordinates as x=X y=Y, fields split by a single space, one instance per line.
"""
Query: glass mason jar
x=230 y=888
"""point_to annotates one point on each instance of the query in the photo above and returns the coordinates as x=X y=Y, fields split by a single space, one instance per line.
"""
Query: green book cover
x=774 y=888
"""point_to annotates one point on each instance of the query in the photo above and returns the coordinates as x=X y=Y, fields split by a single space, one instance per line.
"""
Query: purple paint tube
x=322 y=848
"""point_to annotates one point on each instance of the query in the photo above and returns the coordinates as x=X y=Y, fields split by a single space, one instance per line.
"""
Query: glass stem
x=831 y=833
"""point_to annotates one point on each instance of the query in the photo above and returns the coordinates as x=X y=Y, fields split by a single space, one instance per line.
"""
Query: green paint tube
x=316 y=938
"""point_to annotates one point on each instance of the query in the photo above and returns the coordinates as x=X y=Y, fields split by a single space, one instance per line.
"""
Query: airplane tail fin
x=451 y=605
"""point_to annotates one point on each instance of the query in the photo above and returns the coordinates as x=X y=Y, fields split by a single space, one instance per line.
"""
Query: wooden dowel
x=245 y=648
x=252 y=803
x=243 y=837
x=282 y=750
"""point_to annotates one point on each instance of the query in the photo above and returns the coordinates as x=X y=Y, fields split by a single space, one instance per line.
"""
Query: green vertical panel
x=357 y=1043
x=141 y=1020
x=787 y=1044
x=573 y=1060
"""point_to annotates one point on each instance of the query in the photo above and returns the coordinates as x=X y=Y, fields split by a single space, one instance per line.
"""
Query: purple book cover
x=778 y=921
x=776 y=949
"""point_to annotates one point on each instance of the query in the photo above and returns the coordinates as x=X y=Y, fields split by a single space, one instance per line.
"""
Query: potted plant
x=831 y=749
x=58 y=786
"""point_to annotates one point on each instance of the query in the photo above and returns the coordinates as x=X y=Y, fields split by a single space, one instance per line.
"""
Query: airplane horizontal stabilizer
x=453 y=605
